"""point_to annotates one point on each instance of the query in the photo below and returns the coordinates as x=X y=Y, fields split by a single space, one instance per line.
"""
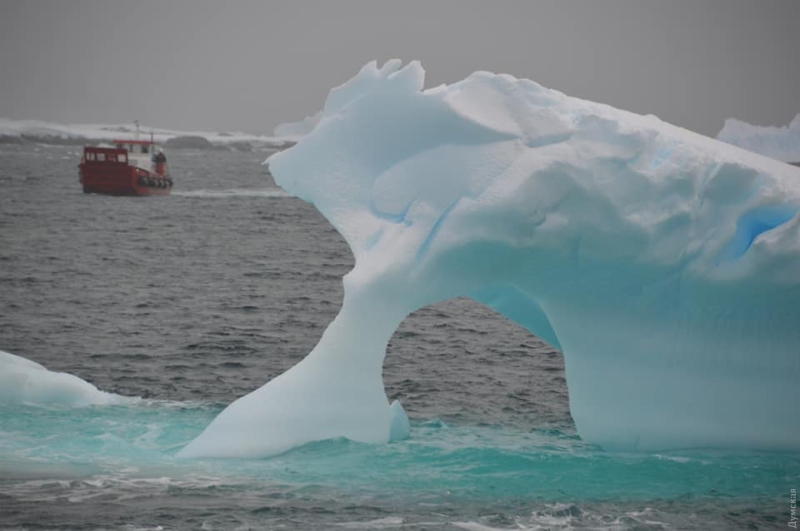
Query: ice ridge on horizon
x=664 y=264
x=12 y=131
x=781 y=143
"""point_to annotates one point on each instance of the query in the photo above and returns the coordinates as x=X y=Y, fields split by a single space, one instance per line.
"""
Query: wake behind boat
x=130 y=167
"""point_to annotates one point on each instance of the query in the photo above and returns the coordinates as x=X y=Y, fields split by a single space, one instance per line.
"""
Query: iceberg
x=23 y=381
x=782 y=143
x=664 y=264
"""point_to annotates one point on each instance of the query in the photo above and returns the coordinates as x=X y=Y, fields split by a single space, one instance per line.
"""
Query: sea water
x=193 y=300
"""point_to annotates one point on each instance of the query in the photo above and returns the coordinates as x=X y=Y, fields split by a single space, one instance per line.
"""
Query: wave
x=224 y=194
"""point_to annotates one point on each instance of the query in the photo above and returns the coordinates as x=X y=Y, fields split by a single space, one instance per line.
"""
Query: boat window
x=130 y=148
x=90 y=156
x=101 y=156
x=120 y=146
x=145 y=149
x=122 y=157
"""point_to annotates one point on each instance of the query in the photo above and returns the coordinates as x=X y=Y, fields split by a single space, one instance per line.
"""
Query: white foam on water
x=225 y=194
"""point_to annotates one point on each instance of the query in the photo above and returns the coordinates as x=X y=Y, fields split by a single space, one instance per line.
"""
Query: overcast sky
x=250 y=65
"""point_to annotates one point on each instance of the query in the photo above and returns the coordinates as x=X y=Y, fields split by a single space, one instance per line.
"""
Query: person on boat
x=160 y=159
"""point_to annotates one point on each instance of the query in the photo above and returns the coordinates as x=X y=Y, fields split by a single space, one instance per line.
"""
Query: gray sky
x=250 y=65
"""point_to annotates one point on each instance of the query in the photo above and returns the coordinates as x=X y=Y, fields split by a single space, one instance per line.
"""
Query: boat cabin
x=144 y=154
x=143 y=147
x=141 y=153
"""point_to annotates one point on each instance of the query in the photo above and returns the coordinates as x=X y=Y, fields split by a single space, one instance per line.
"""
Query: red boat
x=131 y=167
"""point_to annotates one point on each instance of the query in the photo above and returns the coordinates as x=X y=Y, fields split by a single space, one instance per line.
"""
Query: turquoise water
x=126 y=454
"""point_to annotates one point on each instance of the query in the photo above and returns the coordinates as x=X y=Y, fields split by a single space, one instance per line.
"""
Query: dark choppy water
x=193 y=300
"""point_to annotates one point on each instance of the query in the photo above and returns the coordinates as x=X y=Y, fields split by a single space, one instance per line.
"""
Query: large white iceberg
x=665 y=264
x=782 y=143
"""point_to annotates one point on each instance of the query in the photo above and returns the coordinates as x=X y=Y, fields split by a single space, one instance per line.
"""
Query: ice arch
x=666 y=265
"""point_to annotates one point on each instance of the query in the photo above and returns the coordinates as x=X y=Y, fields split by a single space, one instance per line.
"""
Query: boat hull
x=114 y=178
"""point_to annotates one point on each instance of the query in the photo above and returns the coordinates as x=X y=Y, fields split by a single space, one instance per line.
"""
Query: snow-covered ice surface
x=782 y=143
x=665 y=264
x=23 y=381
x=49 y=131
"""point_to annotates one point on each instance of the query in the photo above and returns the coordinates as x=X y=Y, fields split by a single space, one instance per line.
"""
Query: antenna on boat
x=137 y=128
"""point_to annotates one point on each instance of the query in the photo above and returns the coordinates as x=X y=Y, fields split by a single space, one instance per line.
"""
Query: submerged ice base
x=664 y=264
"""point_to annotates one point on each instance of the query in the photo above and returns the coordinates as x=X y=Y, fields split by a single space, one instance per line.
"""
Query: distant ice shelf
x=14 y=131
x=664 y=264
